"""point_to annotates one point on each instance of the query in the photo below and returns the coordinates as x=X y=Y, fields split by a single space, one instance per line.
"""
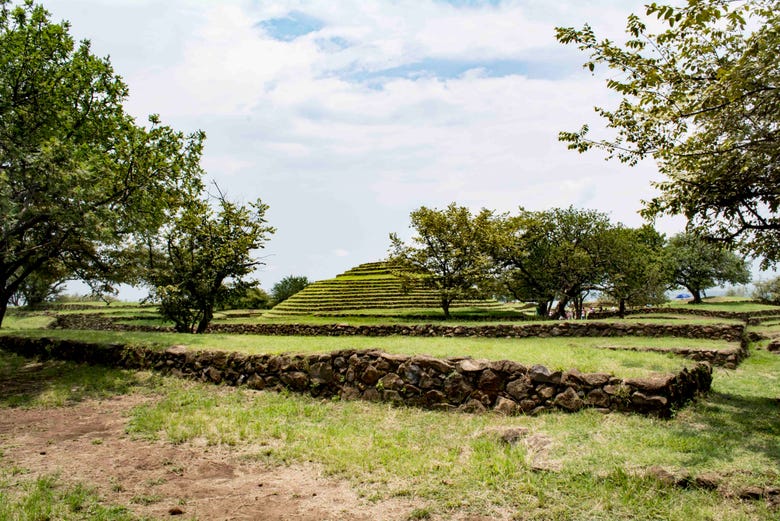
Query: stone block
x=519 y=389
x=568 y=400
x=505 y=406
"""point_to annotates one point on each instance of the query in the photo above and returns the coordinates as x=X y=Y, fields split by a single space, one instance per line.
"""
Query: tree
x=698 y=264
x=248 y=296
x=447 y=252
x=78 y=176
x=521 y=252
x=700 y=97
x=199 y=253
x=767 y=291
x=638 y=271
x=287 y=287
x=41 y=286
x=552 y=255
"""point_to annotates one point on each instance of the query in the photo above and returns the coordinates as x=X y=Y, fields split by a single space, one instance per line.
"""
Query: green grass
x=30 y=320
x=483 y=317
x=732 y=304
x=672 y=319
x=26 y=383
x=49 y=498
x=557 y=353
x=565 y=466
x=460 y=315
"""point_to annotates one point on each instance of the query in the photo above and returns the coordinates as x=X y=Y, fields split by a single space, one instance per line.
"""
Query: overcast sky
x=344 y=116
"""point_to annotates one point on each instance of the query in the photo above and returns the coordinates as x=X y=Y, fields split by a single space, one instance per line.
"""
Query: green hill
x=370 y=286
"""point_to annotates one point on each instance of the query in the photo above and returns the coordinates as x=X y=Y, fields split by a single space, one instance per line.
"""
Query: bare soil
x=87 y=443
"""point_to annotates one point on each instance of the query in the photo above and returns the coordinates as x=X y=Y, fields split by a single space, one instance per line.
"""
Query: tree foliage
x=700 y=97
x=43 y=285
x=698 y=264
x=200 y=260
x=555 y=255
x=767 y=290
x=638 y=270
x=248 y=296
x=447 y=252
x=78 y=176
x=287 y=287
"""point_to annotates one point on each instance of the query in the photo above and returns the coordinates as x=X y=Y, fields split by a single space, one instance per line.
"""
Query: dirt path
x=87 y=443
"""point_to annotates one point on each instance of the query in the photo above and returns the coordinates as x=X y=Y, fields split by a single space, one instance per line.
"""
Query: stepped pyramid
x=368 y=286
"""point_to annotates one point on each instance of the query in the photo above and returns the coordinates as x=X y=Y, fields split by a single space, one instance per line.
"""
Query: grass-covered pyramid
x=372 y=286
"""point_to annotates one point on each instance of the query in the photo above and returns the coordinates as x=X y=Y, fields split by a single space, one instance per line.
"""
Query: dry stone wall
x=460 y=384
x=728 y=358
x=582 y=328
x=751 y=316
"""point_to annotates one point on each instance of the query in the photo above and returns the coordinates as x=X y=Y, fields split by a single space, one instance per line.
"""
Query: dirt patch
x=87 y=443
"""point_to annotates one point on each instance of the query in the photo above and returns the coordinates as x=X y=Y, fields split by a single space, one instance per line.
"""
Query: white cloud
x=342 y=157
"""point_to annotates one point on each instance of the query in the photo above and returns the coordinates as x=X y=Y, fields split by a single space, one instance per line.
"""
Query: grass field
x=48 y=497
x=588 y=354
x=149 y=317
x=581 y=466
x=566 y=466
x=731 y=304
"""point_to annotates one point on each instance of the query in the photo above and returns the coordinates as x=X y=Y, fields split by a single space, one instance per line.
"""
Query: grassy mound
x=371 y=286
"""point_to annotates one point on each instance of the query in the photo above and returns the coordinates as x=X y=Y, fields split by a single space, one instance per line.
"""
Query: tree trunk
x=445 y=306
x=622 y=308
x=208 y=314
x=696 y=296
x=560 y=311
x=3 y=309
x=578 y=303
x=542 y=309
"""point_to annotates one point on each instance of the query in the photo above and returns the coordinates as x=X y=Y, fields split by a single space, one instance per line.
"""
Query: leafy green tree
x=248 y=296
x=638 y=271
x=700 y=97
x=767 y=290
x=78 y=176
x=200 y=260
x=447 y=252
x=555 y=255
x=43 y=285
x=698 y=264
x=522 y=254
x=287 y=287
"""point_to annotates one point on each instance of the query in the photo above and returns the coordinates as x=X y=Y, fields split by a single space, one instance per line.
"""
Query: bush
x=768 y=290
x=252 y=297
x=287 y=287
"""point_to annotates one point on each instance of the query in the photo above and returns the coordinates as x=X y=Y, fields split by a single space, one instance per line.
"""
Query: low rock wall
x=738 y=315
x=581 y=328
x=461 y=384
x=728 y=358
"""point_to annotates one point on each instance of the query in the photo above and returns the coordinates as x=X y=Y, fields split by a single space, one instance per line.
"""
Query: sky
x=345 y=116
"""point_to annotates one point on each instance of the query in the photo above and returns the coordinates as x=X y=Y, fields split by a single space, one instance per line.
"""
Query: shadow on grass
x=727 y=424
x=26 y=382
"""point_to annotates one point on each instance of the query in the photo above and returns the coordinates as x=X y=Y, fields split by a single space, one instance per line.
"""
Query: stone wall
x=581 y=328
x=739 y=315
x=728 y=358
x=461 y=384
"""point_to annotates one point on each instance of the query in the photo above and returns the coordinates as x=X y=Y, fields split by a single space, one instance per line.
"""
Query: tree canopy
x=638 y=270
x=700 y=97
x=203 y=249
x=78 y=176
x=447 y=251
x=698 y=264
x=287 y=287
x=552 y=255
